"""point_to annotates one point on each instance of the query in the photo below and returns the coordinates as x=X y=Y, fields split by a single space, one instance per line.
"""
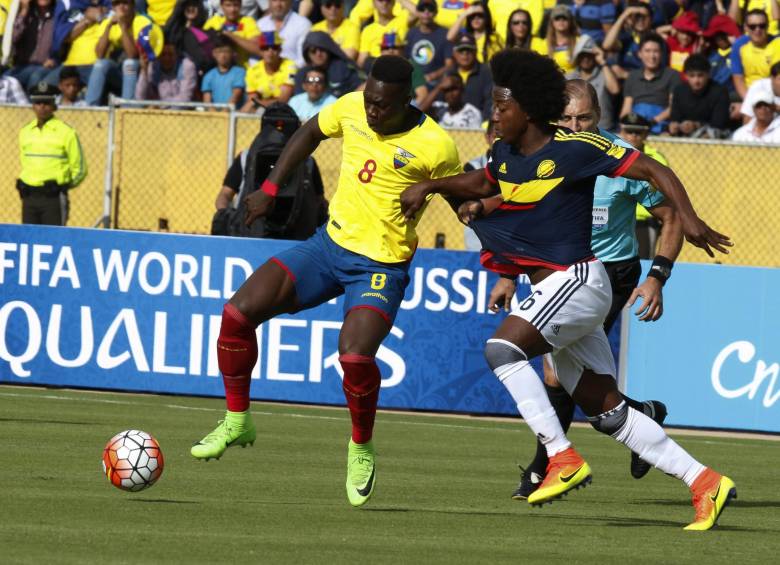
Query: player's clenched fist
x=470 y=210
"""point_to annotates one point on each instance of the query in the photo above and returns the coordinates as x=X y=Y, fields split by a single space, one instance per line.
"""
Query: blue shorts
x=321 y=270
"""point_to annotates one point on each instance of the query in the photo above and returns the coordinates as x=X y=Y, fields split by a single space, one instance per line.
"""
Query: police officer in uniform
x=52 y=161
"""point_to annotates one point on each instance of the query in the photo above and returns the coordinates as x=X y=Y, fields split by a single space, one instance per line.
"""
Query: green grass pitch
x=442 y=494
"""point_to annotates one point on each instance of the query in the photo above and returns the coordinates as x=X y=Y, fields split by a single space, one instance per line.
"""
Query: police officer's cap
x=635 y=122
x=43 y=92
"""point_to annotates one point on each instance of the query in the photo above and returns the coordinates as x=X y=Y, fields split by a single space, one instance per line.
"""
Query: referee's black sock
x=563 y=405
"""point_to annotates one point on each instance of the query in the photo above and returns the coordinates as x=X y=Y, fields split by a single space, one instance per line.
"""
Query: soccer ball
x=132 y=460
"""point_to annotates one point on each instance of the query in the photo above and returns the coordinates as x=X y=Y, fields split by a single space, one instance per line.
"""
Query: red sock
x=361 y=389
x=237 y=356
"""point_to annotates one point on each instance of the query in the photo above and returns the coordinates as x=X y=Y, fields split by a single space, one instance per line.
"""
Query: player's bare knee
x=500 y=353
x=612 y=421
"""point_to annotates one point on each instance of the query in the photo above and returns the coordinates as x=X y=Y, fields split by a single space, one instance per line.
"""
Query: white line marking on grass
x=513 y=426
x=254 y=412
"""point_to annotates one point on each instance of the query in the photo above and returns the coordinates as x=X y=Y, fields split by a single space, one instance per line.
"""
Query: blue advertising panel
x=141 y=311
x=714 y=357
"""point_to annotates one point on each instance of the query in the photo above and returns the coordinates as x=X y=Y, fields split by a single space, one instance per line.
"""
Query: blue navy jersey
x=545 y=219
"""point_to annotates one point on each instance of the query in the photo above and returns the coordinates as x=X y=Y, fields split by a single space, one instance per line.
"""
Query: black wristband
x=661 y=269
x=512 y=278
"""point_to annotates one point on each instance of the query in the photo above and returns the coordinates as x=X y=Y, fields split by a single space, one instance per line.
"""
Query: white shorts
x=568 y=308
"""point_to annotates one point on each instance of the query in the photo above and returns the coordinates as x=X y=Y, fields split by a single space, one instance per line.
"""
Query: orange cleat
x=712 y=492
x=566 y=471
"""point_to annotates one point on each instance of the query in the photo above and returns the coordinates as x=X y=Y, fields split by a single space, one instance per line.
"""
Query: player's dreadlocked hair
x=392 y=69
x=536 y=83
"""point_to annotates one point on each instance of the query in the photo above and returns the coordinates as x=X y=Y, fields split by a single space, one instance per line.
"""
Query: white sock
x=644 y=436
x=534 y=406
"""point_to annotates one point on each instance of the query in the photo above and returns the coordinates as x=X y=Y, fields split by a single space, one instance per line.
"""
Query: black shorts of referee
x=624 y=276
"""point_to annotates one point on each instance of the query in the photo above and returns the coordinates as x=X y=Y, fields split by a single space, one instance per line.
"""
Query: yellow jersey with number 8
x=365 y=211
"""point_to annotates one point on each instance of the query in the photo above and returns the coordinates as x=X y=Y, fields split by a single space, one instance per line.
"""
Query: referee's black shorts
x=624 y=276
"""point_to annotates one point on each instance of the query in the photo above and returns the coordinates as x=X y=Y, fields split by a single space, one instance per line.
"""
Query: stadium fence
x=158 y=167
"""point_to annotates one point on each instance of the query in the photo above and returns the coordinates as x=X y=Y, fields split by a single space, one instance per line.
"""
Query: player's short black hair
x=652 y=37
x=392 y=69
x=535 y=80
x=696 y=62
x=69 y=72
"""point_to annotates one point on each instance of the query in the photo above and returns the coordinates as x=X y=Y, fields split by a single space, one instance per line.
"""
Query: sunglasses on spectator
x=477 y=15
x=451 y=89
x=754 y=27
x=274 y=47
x=314 y=80
x=520 y=22
x=559 y=18
x=428 y=8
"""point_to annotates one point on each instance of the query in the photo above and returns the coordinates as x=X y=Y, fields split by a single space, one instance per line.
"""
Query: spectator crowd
x=687 y=68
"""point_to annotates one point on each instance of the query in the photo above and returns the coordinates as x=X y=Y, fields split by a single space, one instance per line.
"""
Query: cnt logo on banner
x=140 y=311
x=714 y=357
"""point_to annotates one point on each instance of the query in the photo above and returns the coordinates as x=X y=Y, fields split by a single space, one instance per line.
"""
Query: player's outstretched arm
x=472 y=185
x=696 y=231
x=301 y=145
x=669 y=246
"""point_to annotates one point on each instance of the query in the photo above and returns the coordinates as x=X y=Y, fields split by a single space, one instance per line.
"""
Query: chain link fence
x=167 y=167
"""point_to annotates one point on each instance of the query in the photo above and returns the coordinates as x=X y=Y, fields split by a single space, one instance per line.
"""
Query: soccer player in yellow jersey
x=363 y=252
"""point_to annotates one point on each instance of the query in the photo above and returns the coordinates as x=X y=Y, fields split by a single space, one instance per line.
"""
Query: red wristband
x=270 y=188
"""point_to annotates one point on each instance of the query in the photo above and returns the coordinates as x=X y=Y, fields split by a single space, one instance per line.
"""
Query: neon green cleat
x=236 y=429
x=361 y=472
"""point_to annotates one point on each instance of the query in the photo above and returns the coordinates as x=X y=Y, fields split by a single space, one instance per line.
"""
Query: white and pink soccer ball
x=132 y=460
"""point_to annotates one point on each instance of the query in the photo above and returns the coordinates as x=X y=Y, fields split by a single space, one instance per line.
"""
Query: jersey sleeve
x=329 y=118
x=594 y=155
x=645 y=193
x=448 y=163
x=76 y=162
x=491 y=168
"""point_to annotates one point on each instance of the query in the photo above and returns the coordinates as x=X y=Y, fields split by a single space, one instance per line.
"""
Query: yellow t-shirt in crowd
x=371 y=38
x=495 y=46
x=561 y=56
x=82 y=49
x=160 y=10
x=346 y=36
x=756 y=61
x=364 y=11
x=268 y=85
x=246 y=28
x=449 y=10
x=365 y=211
x=500 y=10
x=156 y=39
